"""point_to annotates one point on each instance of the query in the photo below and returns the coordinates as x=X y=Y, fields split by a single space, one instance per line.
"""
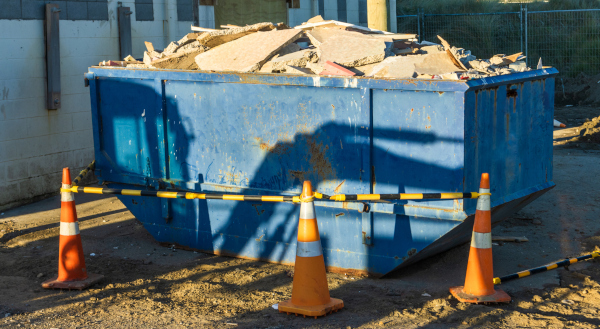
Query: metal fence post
x=521 y=25
x=419 y=24
x=526 y=32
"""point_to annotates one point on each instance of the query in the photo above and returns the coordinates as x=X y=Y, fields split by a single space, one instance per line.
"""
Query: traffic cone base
x=75 y=285
x=334 y=304
x=498 y=296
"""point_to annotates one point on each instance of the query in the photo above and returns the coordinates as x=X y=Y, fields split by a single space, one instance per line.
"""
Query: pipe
x=377 y=14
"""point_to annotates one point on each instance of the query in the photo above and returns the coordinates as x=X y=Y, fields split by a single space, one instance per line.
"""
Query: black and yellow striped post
x=399 y=196
x=84 y=172
x=545 y=268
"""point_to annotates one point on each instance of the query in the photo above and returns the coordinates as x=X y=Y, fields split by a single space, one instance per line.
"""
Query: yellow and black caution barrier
x=84 y=172
x=399 y=196
x=269 y=198
x=545 y=268
x=183 y=195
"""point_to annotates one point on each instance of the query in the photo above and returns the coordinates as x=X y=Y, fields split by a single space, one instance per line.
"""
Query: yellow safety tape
x=551 y=267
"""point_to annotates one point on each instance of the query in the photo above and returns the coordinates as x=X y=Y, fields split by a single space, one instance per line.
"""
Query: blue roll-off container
x=265 y=134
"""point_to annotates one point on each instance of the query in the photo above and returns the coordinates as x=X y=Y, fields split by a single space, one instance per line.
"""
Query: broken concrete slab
x=171 y=48
x=318 y=36
x=315 y=67
x=137 y=66
x=365 y=69
x=315 y=19
x=297 y=70
x=452 y=56
x=189 y=46
x=182 y=60
x=219 y=37
x=150 y=56
x=291 y=48
x=399 y=67
x=431 y=49
x=352 y=51
x=248 y=53
x=299 y=58
x=149 y=46
x=436 y=64
x=267 y=67
x=190 y=37
x=518 y=66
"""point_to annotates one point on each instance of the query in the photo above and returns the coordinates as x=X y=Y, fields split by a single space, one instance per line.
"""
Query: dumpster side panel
x=128 y=130
x=418 y=146
x=508 y=131
x=223 y=136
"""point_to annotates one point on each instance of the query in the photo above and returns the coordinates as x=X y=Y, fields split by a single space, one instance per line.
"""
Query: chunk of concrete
x=352 y=51
x=150 y=56
x=299 y=58
x=436 y=64
x=315 y=67
x=399 y=67
x=297 y=70
x=189 y=46
x=190 y=37
x=315 y=19
x=171 y=48
x=149 y=46
x=248 y=53
x=318 y=36
x=291 y=48
x=219 y=37
x=182 y=60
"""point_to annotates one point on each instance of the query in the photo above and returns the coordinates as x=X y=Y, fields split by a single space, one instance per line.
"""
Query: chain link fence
x=566 y=39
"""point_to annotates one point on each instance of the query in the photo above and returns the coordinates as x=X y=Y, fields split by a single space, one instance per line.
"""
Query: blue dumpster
x=264 y=134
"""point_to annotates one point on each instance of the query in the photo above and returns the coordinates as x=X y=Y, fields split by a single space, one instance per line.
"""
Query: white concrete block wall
x=35 y=143
x=207 y=16
x=300 y=15
x=331 y=10
x=352 y=11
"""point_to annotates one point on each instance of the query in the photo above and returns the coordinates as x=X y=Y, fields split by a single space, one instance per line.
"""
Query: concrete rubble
x=322 y=47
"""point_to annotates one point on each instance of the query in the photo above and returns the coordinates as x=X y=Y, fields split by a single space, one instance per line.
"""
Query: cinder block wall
x=35 y=143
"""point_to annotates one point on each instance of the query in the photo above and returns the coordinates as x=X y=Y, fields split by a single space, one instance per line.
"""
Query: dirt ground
x=151 y=286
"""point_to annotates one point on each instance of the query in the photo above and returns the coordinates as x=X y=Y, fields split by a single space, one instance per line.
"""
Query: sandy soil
x=151 y=286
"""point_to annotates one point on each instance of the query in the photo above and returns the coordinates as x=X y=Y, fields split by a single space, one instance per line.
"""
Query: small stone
x=537 y=222
x=40 y=275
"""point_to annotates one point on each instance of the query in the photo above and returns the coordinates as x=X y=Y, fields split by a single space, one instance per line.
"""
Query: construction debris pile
x=322 y=47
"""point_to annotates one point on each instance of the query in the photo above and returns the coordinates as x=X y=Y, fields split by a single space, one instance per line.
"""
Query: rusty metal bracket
x=52 y=35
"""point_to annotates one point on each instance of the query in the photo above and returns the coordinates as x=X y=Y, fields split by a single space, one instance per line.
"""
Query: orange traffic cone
x=310 y=293
x=479 y=281
x=72 y=273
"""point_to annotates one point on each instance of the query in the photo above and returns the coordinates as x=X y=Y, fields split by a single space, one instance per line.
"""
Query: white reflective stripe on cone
x=309 y=249
x=483 y=201
x=307 y=210
x=481 y=240
x=66 y=196
x=69 y=228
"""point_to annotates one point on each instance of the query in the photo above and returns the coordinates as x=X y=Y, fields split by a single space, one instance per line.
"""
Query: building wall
x=35 y=143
